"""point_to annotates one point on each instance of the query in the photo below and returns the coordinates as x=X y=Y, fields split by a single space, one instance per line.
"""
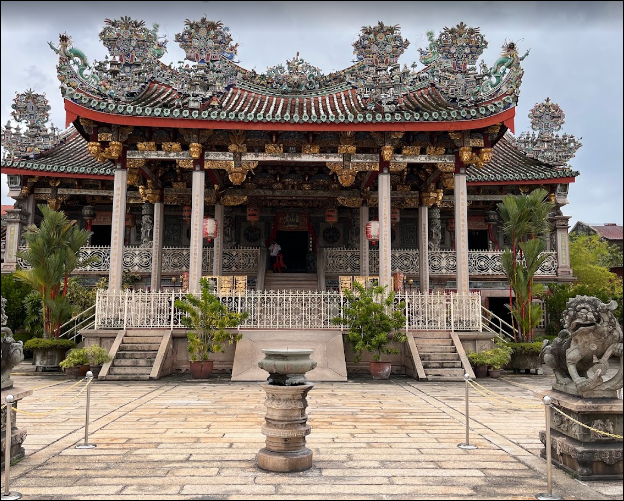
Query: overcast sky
x=575 y=59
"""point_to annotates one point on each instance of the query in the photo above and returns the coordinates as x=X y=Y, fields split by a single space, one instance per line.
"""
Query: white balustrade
x=343 y=261
x=284 y=309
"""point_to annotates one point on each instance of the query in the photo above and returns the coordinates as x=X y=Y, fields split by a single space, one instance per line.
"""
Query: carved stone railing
x=340 y=261
x=174 y=259
x=284 y=309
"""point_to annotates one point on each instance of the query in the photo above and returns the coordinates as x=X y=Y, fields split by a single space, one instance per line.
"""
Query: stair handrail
x=83 y=320
x=489 y=319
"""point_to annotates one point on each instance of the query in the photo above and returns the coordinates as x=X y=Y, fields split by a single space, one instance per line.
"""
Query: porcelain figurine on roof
x=375 y=89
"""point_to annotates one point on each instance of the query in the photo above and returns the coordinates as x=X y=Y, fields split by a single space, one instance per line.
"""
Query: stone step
x=438 y=357
x=421 y=341
x=129 y=371
x=445 y=378
x=436 y=349
x=142 y=339
x=430 y=365
x=134 y=355
x=456 y=372
x=138 y=347
x=146 y=332
x=122 y=377
x=134 y=362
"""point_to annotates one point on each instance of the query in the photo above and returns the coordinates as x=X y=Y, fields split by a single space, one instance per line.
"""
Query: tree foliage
x=590 y=259
x=52 y=254
x=525 y=222
x=208 y=318
x=372 y=316
x=14 y=291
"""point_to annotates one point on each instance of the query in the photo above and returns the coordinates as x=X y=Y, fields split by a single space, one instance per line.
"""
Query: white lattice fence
x=284 y=309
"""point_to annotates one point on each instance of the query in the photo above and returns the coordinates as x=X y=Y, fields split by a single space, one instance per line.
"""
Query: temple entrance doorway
x=294 y=248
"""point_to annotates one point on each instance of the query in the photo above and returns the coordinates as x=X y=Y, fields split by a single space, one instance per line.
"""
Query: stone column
x=364 y=249
x=423 y=248
x=118 y=228
x=16 y=219
x=30 y=208
x=157 y=241
x=385 y=236
x=461 y=231
x=147 y=225
x=197 y=221
x=563 y=246
x=217 y=257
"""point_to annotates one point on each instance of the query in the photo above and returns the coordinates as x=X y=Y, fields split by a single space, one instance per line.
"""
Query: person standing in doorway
x=274 y=250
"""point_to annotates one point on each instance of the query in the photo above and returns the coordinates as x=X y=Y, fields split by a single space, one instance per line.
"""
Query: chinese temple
x=381 y=171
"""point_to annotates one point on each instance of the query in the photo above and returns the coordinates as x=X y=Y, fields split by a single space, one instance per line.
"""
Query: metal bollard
x=467 y=444
x=86 y=444
x=548 y=495
x=7 y=495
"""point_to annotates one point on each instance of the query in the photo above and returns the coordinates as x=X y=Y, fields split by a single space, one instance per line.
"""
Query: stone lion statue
x=580 y=355
x=12 y=351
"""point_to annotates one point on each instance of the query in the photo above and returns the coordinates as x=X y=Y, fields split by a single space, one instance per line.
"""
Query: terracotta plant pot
x=480 y=371
x=73 y=372
x=495 y=373
x=83 y=369
x=201 y=369
x=380 y=370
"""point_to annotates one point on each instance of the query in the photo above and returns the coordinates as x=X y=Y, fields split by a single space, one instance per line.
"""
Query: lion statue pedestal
x=586 y=419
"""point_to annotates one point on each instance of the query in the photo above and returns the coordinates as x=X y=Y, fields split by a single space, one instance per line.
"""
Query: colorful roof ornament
x=547 y=118
x=32 y=109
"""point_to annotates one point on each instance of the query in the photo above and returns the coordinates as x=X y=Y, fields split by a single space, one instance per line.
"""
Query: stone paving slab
x=181 y=439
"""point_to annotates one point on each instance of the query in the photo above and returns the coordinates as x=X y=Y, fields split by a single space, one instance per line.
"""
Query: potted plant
x=373 y=322
x=97 y=357
x=497 y=357
x=207 y=318
x=525 y=356
x=479 y=362
x=76 y=363
x=48 y=353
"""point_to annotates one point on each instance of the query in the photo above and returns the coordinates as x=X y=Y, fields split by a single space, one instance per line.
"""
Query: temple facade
x=377 y=172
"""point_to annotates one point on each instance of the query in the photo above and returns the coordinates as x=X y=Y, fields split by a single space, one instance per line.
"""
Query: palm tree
x=525 y=219
x=52 y=255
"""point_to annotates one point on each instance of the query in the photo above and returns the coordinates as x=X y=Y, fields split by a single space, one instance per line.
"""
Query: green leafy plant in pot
x=98 y=356
x=76 y=363
x=208 y=320
x=373 y=322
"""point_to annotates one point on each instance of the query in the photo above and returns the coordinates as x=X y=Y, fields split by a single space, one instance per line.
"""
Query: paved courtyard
x=178 y=438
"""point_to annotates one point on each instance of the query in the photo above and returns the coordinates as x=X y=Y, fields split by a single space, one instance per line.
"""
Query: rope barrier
x=43 y=414
x=484 y=391
x=586 y=426
x=508 y=381
x=55 y=395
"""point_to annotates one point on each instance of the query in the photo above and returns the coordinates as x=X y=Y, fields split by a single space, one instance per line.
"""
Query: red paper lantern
x=372 y=231
x=253 y=214
x=331 y=216
x=210 y=228
x=187 y=212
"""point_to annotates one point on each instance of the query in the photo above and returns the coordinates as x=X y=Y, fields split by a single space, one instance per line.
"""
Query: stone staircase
x=136 y=355
x=439 y=356
x=291 y=281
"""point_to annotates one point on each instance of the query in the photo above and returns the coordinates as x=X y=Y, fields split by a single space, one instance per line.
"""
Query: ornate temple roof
x=69 y=157
x=133 y=87
x=511 y=165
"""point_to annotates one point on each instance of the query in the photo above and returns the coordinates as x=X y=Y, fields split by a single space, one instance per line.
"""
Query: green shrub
x=97 y=355
x=533 y=348
x=14 y=291
x=75 y=357
x=38 y=343
x=494 y=358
